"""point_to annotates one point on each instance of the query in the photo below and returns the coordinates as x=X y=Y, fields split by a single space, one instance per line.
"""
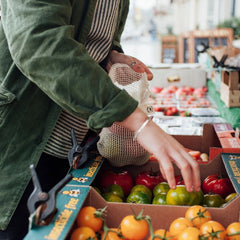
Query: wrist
x=135 y=120
x=142 y=127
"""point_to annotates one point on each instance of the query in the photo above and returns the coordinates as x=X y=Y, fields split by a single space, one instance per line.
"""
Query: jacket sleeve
x=40 y=39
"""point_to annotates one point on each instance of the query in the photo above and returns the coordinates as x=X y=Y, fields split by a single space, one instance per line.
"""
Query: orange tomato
x=198 y=215
x=133 y=228
x=113 y=234
x=83 y=233
x=162 y=234
x=86 y=217
x=178 y=225
x=190 y=233
x=233 y=231
x=213 y=230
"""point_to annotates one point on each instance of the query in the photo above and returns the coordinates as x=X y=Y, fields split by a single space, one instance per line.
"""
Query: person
x=54 y=60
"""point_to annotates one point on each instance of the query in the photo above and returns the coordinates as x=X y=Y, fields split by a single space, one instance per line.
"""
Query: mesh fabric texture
x=116 y=143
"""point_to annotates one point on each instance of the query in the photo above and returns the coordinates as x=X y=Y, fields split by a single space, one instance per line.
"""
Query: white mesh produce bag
x=116 y=142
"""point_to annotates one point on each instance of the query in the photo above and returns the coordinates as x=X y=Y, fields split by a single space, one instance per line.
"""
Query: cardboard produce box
x=228 y=137
x=75 y=197
x=230 y=89
x=77 y=193
x=163 y=215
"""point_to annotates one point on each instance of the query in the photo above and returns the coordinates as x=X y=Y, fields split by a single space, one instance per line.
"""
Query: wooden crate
x=230 y=90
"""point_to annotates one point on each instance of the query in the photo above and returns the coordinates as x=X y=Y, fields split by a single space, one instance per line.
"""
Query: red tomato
x=170 y=111
x=156 y=89
x=121 y=178
x=179 y=180
x=158 y=109
x=217 y=184
x=148 y=178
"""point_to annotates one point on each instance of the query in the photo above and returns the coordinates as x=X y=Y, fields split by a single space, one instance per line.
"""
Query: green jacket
x=44 y=67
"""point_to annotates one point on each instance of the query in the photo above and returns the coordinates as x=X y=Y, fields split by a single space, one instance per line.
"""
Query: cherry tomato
x=133 y=228
x=213 y=230
x=217 y=184
x=162 y=187
x=149 y=178
x=87 y=218
x=178 y=225
x=198 y=215
x=190 y=233
x=233 y=231
x=83 y=233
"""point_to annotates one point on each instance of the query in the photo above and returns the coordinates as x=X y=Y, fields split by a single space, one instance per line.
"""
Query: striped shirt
x=98 y=45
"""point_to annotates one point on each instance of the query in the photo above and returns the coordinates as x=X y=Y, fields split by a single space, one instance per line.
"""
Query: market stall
x=206 y=130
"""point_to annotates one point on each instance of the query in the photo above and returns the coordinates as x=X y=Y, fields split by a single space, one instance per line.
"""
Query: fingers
x=167 y=170
x=135 y=64
x=140 y=67
x=169 y=151
x=189 y=169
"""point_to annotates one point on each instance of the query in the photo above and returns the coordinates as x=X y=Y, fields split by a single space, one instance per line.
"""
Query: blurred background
x=168 y=31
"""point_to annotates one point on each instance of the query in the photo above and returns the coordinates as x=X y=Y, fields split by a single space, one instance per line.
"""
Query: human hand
x=134 y=63
x=167 y=151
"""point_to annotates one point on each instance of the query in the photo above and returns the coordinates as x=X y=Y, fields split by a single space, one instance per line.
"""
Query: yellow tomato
x=87 y=218
x=190 y=233
x=178 y=225
x=213 y=230
x=83 y=233
x=133 y=228
x=233 y=231
x=230 y=197
x=198 y=215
